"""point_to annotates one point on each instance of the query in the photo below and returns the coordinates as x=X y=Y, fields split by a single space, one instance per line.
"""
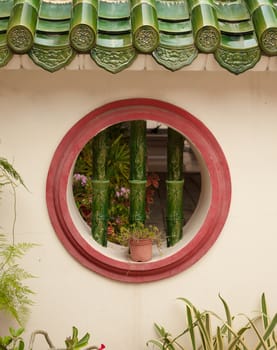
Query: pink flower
x=102 y=347
x=81 y=178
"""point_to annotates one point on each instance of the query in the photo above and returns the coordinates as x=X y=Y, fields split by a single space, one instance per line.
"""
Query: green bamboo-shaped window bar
x=137 y=171
x=100 y=188
x=175 y=185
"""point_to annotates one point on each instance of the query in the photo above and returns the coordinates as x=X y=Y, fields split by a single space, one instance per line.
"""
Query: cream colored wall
x=38 y=108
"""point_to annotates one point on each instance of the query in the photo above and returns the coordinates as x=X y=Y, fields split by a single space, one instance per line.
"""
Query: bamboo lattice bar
x=100 y=189
x=138 y=171
x=175 y=185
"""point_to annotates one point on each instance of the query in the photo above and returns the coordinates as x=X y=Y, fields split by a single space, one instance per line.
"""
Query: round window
x=207 y=184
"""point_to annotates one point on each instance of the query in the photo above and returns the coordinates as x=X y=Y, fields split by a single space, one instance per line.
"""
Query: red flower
x=153 y=179
x=102 y=347
x=110 y=230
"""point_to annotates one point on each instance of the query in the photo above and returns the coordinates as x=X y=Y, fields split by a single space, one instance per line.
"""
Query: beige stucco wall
x=37 y=109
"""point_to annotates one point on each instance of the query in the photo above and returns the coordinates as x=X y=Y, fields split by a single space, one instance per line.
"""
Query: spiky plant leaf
x=228 y=316
x=8 y=174
x=219 y=341
x=191 y=326
x=264 y=311
x=265 y=316
x=270 y=331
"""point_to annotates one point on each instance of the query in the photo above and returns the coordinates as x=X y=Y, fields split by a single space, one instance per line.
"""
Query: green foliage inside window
x=118 y=169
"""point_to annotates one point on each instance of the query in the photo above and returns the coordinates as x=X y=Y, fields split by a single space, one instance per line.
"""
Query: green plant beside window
x=15 y=296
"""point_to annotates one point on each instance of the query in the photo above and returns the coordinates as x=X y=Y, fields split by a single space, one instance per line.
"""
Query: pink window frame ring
x=61 y=169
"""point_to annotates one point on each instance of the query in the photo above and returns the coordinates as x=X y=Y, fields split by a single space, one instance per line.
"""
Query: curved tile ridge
x=112 y=32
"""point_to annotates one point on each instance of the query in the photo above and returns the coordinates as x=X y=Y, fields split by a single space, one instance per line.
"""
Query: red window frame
x=61 y=168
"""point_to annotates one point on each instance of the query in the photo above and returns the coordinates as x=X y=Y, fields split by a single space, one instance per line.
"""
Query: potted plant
x=140 y=238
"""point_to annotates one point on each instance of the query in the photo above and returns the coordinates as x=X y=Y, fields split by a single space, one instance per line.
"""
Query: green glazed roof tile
x=253 y=5
x=5 y=55
x=113 y=60
x=51 y=40
x=265 y=22
x=235 y=42
x=176 y=40
x=232 y=12
x=83 y=25
x=119 y=26
x=236 y=28
x=113 y=9
x=195 y=3
x=175 y=27
x=51 y=59
x=205 y=26
x=175 y=58
x=5 y=8
x=55 y=11
x=53 y=26
x=114 y=41
x=176 y=48
x=237 y=61
x=3 y=40
x=145 y=26
x=113 y=32
x=22 y=25
x=3 y=24
x=172 y=10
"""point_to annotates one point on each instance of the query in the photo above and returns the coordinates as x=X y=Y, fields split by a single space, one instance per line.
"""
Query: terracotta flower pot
x=141 y=249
